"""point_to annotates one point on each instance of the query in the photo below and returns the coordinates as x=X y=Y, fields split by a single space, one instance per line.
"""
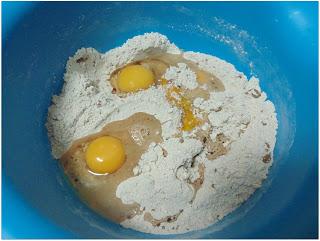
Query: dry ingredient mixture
x=198 y=142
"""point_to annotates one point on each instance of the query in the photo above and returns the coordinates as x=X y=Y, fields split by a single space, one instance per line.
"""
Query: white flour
x=160 y=184
x=182 y=76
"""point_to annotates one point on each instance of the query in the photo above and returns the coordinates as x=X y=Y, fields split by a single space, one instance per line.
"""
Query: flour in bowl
x=203 y=133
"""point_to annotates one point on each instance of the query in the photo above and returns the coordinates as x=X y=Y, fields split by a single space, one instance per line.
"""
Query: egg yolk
x=163 y=82
x=189 y=120
x=135 y=77
x=105 y=155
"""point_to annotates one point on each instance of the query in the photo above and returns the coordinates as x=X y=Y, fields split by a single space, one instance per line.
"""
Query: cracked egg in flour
x=160 y=140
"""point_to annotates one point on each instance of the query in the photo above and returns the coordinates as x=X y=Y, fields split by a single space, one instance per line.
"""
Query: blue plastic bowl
x=277 y=41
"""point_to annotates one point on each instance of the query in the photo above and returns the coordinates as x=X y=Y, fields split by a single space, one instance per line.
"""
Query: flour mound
x=165 y=177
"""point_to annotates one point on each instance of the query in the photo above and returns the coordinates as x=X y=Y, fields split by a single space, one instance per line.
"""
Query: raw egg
x=135 y=77
x=105 y=155
x=189 y=120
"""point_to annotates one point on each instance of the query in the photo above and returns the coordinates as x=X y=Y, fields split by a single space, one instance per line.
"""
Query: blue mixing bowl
x=276 y=41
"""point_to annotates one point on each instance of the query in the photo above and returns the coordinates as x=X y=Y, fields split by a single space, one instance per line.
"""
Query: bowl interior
x=249 y=35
